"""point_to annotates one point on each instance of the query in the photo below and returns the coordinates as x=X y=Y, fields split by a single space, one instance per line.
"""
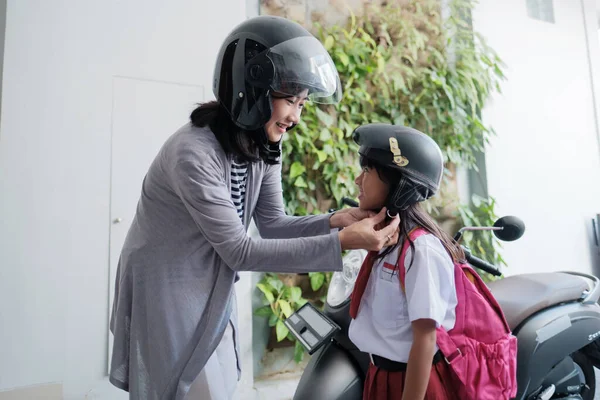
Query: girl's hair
x=233 y=139
x=413 y=216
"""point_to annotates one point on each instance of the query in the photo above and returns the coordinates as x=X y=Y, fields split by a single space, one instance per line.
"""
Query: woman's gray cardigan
x=174 y=293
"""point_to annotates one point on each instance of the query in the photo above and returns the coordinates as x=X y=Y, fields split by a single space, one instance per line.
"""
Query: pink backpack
x=480 y=349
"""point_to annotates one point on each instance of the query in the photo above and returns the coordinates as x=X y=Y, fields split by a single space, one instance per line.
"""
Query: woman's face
x=373 y=191
x=286 y=112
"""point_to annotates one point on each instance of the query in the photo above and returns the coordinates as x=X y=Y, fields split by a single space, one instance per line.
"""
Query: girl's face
x=373 y=191
x=286 y=112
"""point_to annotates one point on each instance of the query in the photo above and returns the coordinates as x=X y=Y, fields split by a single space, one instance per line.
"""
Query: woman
x=174 y=317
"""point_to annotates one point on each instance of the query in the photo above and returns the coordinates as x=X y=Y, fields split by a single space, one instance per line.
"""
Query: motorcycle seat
x=522 y=295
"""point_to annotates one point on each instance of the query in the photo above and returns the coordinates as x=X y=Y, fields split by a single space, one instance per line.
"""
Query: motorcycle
x=555 y=317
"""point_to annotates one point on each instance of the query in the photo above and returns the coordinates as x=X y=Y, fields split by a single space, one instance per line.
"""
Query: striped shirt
x=239 y=174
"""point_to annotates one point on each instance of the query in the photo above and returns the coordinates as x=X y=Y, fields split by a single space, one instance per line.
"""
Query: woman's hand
x=347 y=216
x=366 y=234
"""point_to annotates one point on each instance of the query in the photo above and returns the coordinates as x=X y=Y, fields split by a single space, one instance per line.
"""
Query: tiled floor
x=276 y=389
x=279 y=378
x=279 y=386
x=282 y=388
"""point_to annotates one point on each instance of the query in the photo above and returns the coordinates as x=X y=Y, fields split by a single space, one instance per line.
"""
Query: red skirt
x=384 y=385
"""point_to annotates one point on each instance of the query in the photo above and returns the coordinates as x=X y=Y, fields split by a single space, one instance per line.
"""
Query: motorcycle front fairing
x=331 y=374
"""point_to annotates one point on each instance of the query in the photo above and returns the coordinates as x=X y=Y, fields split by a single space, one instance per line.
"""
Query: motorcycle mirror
x=512 y=228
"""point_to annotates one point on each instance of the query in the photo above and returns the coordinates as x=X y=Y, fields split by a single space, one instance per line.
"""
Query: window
x=542 y=10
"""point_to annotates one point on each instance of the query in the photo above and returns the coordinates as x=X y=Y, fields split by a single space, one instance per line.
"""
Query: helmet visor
x=302 y=64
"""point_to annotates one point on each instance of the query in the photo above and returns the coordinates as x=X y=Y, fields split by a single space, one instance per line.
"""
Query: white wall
x=55 y=142
x=544 y=164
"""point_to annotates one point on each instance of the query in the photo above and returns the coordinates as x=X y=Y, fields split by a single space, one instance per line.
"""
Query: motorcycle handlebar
x=481 y=264
x=349 y=202
x=345 y=201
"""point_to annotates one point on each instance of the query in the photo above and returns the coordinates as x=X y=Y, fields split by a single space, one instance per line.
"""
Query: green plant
x=319 y=280
x=280 y=302
x=402 y=65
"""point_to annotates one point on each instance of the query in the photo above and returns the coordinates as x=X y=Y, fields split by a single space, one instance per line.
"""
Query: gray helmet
x=265 y=54
x=415 y=155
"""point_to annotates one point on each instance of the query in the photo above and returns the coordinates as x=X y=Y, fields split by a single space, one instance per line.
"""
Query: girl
x=395 y=325
x=174 y=316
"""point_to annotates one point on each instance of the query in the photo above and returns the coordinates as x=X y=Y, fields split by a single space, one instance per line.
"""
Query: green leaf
x=276 y=283
x=295 y=294
x=329 y=41
x=265 y=311
x=321 y=155
x=281 y=330
x=316 y=280
x=273 y=320
x=266 y=292
x=325 y=135
x=296 y=169
x=344 y=59
x=300 y=183
x=285 y=307
x=302 y=301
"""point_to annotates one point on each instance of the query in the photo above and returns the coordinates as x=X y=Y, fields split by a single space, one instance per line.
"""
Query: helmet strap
x=269 y=151
x=402 y=196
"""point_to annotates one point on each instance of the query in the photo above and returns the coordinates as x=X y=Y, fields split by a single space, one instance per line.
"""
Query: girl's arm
x=420 y=359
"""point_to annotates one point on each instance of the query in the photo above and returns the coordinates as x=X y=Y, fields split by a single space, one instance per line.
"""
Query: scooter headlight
x=342 y=282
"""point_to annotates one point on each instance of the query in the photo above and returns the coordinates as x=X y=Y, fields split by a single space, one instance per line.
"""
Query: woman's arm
x=420 y=359
x=270 y=217
x=197 y=180
x=272 y=221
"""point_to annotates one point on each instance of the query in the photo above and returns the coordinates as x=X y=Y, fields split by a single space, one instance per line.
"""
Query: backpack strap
x=413 y=235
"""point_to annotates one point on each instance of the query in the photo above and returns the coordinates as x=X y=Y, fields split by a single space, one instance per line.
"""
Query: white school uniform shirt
x=383 y=323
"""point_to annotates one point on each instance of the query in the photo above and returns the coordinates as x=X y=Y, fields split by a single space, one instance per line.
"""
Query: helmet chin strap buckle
x=391 y=214
x=272 y=152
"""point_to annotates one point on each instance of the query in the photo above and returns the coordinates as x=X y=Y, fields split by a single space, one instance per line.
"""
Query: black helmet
x=415 y=155
x=265 y=54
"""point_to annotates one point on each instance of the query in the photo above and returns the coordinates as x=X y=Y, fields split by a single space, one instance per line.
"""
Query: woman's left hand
x=347 y=216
